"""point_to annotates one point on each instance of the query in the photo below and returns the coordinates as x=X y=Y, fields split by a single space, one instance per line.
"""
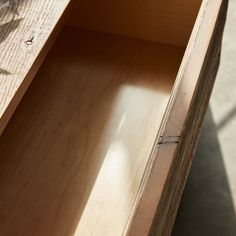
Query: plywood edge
x=24 y=47
x=157 y=203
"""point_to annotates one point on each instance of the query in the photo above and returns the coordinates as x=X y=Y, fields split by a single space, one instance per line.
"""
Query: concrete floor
x=208 y=204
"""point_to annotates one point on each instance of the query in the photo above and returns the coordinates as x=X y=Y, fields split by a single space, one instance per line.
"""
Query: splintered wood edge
x=27 y=69
x=167 y=147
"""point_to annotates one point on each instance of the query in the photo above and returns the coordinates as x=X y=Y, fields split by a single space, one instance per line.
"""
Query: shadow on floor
x=227 y=119
x=207 y=207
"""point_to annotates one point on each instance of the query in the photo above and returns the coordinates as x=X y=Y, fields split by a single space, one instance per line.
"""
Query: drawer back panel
x=156 y=20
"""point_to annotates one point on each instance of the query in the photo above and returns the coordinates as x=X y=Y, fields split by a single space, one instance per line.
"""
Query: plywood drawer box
x=102 y=141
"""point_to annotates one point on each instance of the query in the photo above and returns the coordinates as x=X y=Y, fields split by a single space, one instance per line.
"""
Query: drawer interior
x=75 y=152
x=154 y=20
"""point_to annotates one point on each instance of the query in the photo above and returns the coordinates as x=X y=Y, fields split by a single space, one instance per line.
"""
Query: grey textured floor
x=208 y=204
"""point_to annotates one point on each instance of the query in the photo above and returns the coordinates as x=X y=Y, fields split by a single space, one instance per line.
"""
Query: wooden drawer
x=102 y=141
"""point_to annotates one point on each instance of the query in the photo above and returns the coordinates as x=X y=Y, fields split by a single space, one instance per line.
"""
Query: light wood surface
x=156 y=20
x=74 y=153
x=25 y=30
x=86 y=152
x=156 y=207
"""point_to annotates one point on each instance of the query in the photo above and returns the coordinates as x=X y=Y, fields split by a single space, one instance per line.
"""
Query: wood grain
x=156 y=207
x=92 y=149
x=27 y=29
x=186 y=150
x=74 y=153
x=156 y=20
